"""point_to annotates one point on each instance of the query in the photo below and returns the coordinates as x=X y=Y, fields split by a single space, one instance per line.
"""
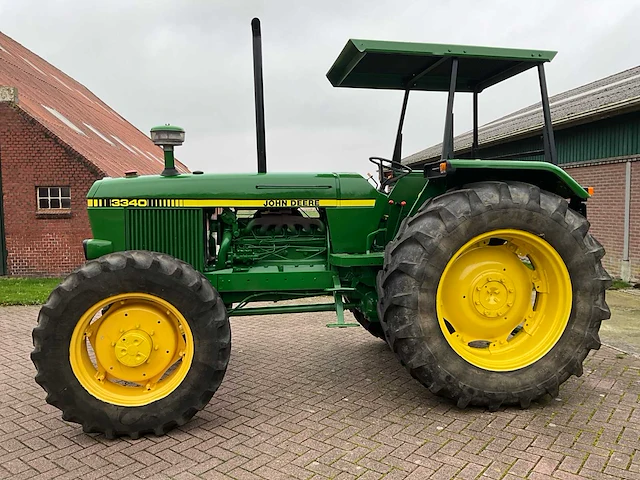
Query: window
x=54 y=198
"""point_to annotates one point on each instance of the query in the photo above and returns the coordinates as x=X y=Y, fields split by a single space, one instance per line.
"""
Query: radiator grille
x=178 y=232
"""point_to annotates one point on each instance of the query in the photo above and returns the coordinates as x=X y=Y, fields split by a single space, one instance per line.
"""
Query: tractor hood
x=251 y=189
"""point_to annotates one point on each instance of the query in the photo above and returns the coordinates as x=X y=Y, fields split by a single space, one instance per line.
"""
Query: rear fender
x=549 y=177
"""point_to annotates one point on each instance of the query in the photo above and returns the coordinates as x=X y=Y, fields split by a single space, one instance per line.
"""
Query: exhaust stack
x=259 y=94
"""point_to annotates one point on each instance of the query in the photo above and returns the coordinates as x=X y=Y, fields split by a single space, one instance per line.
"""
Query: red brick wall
x=30 y=157
x=605 y=211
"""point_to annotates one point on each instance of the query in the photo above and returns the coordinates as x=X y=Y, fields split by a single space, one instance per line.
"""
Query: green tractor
x=481 y=275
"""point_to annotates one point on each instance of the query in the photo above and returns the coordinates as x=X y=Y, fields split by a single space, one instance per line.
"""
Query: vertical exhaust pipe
x=259 y=93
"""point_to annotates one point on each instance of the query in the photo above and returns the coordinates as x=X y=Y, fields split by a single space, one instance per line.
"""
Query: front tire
x=131 y=343
x=493 y=294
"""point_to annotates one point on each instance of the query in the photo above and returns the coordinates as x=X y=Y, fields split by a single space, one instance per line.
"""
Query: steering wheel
x=399 y=170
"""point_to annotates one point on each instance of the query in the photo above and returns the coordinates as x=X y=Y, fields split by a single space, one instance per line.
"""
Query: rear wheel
x=493 y=294
x=374 y=328
x=133 y=342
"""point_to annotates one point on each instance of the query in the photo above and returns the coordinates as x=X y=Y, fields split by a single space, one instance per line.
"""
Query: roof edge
x=451 y=50
x=621 y=107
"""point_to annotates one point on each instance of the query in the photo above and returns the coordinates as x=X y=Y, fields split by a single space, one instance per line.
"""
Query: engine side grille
x=178 y=232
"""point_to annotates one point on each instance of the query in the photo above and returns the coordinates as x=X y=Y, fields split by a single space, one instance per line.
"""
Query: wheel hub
x=485 y=302
x=493 y=294
x=142 y=349
x=133 y=348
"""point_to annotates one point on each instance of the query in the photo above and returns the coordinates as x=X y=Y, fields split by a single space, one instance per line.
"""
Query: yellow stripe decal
x=261 y=203
x=357 y=203
x=278 y=203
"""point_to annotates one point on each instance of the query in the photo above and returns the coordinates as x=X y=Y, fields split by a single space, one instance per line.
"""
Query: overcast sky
x=188 y=63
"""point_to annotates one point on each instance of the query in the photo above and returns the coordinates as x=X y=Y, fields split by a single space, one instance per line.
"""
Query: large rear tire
x=493 y=294
x=374 y=328
x=130 y=343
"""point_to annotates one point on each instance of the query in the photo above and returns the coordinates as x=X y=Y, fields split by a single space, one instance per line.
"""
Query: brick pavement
x=302 y=401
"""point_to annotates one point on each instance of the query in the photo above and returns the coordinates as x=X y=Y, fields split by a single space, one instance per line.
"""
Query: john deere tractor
x=480 y=274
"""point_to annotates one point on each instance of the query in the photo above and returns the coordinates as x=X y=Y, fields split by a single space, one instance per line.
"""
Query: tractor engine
x=280 y=235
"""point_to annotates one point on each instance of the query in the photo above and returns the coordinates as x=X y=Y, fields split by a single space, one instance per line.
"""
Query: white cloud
x=189 y=63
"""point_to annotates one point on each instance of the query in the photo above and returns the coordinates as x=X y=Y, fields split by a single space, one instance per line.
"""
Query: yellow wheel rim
x=504 y=300
x=138 y=351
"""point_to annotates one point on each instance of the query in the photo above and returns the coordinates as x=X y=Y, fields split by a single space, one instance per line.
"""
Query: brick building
x=597 y=132
x=56 y=139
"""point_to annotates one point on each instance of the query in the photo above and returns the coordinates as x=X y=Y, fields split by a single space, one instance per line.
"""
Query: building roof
x=76 y=116
x=427 y=66
x=616 y=94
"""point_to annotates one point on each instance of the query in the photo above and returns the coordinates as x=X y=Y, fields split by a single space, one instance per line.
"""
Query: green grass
x=34 y=291
x=26 y=291
x=619 y=284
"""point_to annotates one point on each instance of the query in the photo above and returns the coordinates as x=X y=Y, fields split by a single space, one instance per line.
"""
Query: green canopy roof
x=397 y=65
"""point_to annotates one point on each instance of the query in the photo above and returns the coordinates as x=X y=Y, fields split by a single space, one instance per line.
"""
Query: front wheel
x=493 y=294
x=131 y=343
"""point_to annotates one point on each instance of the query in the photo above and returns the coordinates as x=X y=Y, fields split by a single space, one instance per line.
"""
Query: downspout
x=625 y=267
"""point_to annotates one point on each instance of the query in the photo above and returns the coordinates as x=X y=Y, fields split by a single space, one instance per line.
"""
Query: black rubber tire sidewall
x=426 y=243
x=374 y=328
x=137 y=271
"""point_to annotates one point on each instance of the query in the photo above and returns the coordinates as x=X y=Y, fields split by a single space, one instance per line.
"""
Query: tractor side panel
x=349 y=226
x=108 y=224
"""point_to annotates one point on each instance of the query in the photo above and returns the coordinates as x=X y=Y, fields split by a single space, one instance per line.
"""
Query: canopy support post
x=447 y=142
x=397 y=150
x=474 y=145
x=550 y=154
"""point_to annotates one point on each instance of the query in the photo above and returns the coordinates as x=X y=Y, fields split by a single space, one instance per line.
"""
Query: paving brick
x=280 y=414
